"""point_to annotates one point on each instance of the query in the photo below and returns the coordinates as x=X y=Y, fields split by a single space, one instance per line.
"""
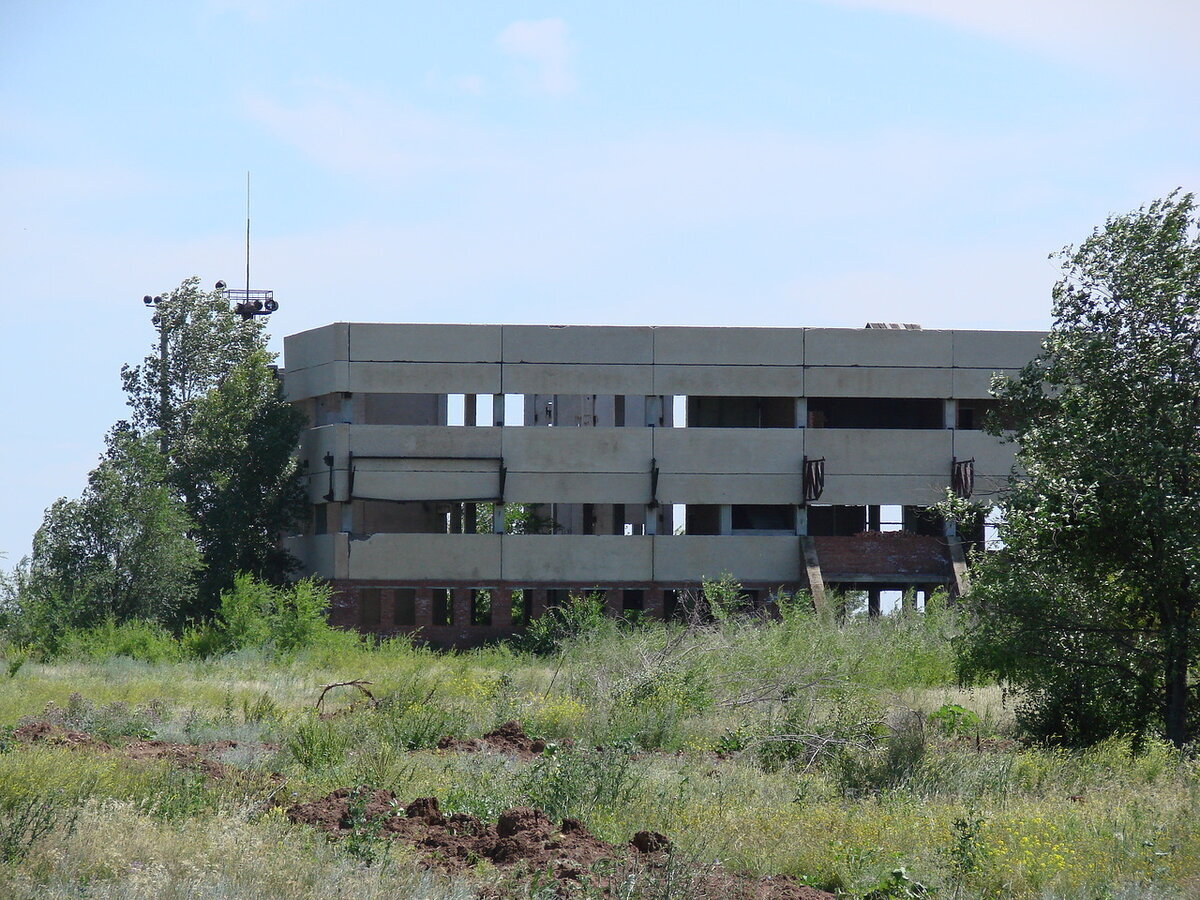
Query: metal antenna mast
x=247 y=231
x=248 y=303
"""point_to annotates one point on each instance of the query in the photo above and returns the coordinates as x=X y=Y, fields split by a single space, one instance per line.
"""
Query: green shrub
x=136 y=639
x=581 y=615
x=257 y=614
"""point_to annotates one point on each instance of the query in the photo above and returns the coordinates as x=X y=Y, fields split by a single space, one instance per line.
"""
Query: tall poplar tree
x=1090 y=608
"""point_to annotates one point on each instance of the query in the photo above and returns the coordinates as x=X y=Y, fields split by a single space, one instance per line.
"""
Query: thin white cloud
x=1108 y=34
x=545 y=44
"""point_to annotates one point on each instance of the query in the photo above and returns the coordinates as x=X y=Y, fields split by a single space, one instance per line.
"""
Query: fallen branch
x=360 y=684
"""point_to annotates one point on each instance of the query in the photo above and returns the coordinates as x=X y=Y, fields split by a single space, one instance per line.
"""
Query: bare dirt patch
x=509 y=738
x=197 y=757
x=524 y=843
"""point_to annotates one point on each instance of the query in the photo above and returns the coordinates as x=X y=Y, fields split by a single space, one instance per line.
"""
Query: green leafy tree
x=199 y=342
x=121 y=551
x=209 y=394
x=1090 y=607
x=237 y=470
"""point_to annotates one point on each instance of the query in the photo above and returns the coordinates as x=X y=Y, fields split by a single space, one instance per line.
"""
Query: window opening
x=368 y=608
x=443 y=607
x=406 y=607
x=876 y=412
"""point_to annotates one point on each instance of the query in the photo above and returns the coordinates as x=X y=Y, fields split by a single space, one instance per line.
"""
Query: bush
x=257 y=614
x=137 y=639
x=581 y=615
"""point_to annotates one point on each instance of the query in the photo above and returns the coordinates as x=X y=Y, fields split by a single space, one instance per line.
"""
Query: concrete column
x=470 y=409
x=497 y=518
x=873 y=604
x=497 y=409
x=873 y=518
x=801 y=412
x=951 y=413
x=651 y=519
x=347 y=412
x=726 y=526
x=347 y=517
x=423 y=607
x=653 y=410
x=801 y=520
x=502 y=607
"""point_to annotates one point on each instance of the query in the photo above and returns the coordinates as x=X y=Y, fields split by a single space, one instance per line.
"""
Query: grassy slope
x=685 y=732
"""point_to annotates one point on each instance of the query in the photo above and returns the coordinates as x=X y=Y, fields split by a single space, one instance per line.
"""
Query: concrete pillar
x=801 y=412
x=801 y=520
x=873 y=603
x=347 y=517
x=497 y=518
x=347 y=411
x=654 y=406
x=726 y=521
x=951 y=413
x=497 y=409
x=873 y=518
x=651 y=514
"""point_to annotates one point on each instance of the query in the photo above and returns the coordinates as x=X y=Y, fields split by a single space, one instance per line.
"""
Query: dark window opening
x=443 y=607
x=369 y=608
x=923 y=520
x=761 y=517
x=833 y=521
x=633 y=600
x=741 y=412
x=976 y=415
x=556 y=598
x=481 y=606
x=405 y=607
x=702 y=518
x=871 y=412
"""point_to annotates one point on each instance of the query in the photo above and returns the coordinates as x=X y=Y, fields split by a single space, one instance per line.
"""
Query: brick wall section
x=344 y=608
x=884 y=553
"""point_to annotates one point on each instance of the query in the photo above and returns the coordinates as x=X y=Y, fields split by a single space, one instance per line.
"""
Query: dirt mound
x=185 y=756
x=525 y=841
x=509 y=738
x=46 y=733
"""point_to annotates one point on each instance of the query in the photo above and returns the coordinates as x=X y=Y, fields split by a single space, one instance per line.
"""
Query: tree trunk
x=1177 y=651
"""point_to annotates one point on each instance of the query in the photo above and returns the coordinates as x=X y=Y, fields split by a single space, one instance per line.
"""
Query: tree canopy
x=1090 y=607
x=196 y=487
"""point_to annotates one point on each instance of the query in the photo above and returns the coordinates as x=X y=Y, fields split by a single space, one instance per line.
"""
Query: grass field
x=835 y=753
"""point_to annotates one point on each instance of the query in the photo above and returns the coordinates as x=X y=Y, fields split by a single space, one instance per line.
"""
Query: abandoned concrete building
x=464 y=477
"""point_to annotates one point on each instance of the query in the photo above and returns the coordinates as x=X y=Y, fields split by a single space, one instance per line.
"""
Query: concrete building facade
x=463 y=477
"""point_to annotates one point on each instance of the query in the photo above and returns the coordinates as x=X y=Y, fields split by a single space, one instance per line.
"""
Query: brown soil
x=509 y=738
x=185 y=756
x=523 y=841
x=45 y=733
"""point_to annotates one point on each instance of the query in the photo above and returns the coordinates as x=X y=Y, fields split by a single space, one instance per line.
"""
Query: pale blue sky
x=772 y=163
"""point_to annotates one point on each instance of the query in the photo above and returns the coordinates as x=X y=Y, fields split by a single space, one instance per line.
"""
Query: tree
x=210 y=396
x=236 y=468
x=1090 y=607
x=120 y=551
x=200 y=341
